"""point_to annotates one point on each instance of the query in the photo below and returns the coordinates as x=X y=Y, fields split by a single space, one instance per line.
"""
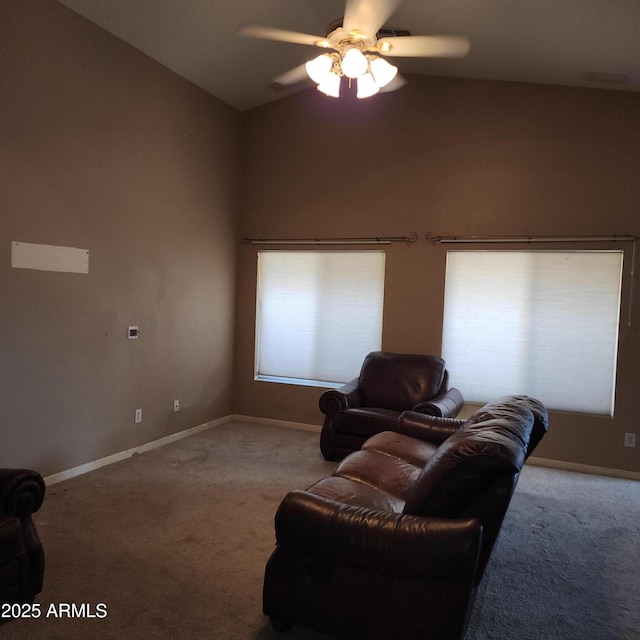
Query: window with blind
x=540 y=323
x=318 y=314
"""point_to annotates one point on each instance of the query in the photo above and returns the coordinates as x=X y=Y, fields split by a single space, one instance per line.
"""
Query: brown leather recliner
x=388 y=384
x=21 y=553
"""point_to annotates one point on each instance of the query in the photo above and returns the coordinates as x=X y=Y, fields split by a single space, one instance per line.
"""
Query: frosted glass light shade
x=330 y=86
x=367 y=86
x=383 y=72
x=319 y=68
x=354 y=64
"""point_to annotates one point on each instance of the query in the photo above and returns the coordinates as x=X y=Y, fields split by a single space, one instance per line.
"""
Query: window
x=540 y=323
x=318 y=314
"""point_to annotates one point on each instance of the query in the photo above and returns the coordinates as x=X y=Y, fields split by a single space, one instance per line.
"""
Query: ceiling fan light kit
x=357 y=51
x=371 y=72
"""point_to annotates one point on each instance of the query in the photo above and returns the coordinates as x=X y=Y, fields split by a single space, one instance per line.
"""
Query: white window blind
x=319 y=313
x=540 y=323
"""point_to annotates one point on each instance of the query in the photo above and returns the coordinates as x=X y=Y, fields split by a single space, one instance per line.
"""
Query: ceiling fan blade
x=368 y=15
x=425 y=46
x=397 y=83
x=281 y=35
x=293 y=76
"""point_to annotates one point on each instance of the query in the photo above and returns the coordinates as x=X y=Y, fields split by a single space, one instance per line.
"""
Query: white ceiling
x=547 y=41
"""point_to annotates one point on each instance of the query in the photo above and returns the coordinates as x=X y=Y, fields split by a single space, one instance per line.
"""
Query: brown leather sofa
x=388 y=384
x=21 y=554
x=396 y=541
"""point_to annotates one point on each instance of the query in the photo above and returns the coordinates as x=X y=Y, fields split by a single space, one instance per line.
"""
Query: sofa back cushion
x=400 y=381
x=510 y=407
x=469 y=461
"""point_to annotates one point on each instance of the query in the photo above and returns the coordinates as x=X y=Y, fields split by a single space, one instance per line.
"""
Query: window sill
x=299 y=382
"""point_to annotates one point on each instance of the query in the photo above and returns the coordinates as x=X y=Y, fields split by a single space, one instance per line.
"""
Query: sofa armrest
x=445 y=405
x=429 y=428
x=21 y=492
x=379 y=542
x=347 y=396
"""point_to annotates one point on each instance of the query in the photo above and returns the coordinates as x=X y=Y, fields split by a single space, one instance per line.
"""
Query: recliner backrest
x=400 y=381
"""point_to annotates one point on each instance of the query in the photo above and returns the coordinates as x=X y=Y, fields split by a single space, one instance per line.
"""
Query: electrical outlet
x=137 y=416
x=176 y=406
x=629 y=439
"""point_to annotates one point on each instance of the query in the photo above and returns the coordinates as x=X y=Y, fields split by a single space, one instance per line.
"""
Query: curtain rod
x=334 y=241
x=515 y=239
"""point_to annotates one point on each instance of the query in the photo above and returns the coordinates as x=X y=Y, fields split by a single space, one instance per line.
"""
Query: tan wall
x=104 y=149
x=450 y=157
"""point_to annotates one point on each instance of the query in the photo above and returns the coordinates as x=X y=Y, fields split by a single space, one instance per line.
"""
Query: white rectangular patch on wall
x=46 y=257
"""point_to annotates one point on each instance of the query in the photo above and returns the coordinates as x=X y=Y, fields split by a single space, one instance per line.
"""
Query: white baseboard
x=301 y=426
x=584 y=468
x=123 y=455
x=539 y=462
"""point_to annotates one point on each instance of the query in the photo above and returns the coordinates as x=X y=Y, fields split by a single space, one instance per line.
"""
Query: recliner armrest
x=445 y=405
x=379 y=542
x=21 y=491
x=347 y=396
x=429 y=428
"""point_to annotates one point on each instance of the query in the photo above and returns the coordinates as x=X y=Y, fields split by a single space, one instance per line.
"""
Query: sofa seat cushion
x=468 y=461
x=412 y=450
x=380 y=471
x=356 y=494
x=366 y=421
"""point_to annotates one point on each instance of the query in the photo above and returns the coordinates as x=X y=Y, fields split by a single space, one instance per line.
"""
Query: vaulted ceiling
x=592 y=43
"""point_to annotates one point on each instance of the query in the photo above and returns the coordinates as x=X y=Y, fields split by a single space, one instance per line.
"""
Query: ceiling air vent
x=607 y=77
x=388 y=32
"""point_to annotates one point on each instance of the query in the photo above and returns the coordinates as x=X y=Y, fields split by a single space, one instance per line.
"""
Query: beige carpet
x=174 y=542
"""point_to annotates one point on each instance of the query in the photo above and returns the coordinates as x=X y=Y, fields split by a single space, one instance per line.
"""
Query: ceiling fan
x=355 y=50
